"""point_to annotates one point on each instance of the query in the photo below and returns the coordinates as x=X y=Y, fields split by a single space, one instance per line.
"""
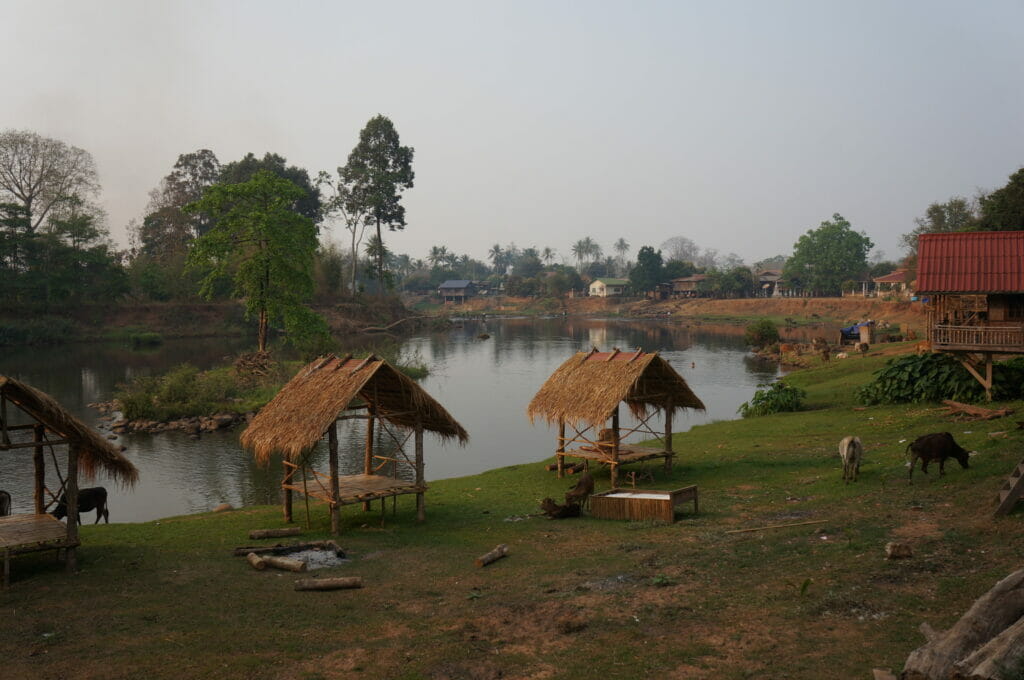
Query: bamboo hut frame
x=586 y=392
x=87 y=452
x=330 y=389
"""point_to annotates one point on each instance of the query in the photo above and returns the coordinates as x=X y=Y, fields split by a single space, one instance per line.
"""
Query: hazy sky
x=737 y=124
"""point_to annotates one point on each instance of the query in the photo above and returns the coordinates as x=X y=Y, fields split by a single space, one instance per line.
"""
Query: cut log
x=959 y=411
x=256 y=561
x=339 y=583
x=493 y=556
x=275 y=533
x=281 y=549
x=285 y=563
x=1000 y=659
x=991 y=614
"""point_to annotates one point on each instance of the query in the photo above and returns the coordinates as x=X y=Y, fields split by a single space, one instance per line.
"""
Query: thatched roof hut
x=88 y=453
x=590 y=386
x=310 y=405
x=94 y=452
x=586 y=391
x=299 y=415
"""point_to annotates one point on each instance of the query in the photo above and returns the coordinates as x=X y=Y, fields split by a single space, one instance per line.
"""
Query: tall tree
x=547 y=255
x=825 y=257
x=497 y=256
x=308 y=204
x=648 y=272
x=1003 y=209
x=167 y=229
x=378 y=170
x=956 y=214
x=621 y=248
x=681 y=249
x=266 y=247
x=39 y=173
x=580 y=250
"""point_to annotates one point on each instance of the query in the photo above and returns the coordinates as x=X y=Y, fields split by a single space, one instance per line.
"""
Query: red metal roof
x=971 y=262
x=898 y=276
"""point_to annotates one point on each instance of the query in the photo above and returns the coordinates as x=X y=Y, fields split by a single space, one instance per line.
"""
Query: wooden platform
x=29 y=533
x=358 y=488
x=627 y=454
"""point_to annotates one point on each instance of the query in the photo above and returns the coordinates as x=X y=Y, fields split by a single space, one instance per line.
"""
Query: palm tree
x=547 y=255
x=580 y=250
x=621 y=247
x=495 y=255
x=437 y=255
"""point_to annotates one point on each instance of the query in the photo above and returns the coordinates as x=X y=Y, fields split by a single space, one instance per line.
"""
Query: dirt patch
x=919 y=527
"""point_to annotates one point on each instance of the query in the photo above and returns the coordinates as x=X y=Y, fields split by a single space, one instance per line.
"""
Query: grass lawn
x=578 y=598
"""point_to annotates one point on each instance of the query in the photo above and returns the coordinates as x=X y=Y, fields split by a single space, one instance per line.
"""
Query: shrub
x=773 y=398
x=934 y=377
x=761 y=333
x=39 y=331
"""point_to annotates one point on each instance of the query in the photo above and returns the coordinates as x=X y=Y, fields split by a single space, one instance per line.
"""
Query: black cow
x=5 y=503
x=90 y=498
x=936 y=446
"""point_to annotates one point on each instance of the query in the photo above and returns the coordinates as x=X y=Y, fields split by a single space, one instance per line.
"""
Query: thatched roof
x=590 y=385
x=94 y=452
x=298 y=416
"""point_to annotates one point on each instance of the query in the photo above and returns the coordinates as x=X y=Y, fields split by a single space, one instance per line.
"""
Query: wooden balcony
x=1003 y=339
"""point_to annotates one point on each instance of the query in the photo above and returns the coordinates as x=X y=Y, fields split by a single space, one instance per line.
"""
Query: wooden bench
x=29 y=533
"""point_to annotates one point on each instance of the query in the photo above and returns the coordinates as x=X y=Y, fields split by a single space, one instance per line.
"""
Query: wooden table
x=28 y=533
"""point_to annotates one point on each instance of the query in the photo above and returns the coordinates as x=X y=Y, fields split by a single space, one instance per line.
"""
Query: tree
x=308 y=204
x=547 y=255
x=579 y=250
x=497 y=256
x=621 y=248
x=825 y=257
x=378 y=170
x=266 y=247
x=681 y=249
x=775 y=262
x=39 y=173
x=676 y=269
x=1003 y=209
x=648 y=272
x=956 y=214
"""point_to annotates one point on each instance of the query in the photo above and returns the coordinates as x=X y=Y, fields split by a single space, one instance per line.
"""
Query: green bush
x=761 y=333
x=774 y=398
x=934 y=377
x=40 y=331
x=182 y=391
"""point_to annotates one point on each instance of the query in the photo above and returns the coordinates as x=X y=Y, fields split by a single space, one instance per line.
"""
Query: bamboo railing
x=981 y=337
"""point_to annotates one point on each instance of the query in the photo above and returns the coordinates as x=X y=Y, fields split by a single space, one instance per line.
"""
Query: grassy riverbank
x=575 y=598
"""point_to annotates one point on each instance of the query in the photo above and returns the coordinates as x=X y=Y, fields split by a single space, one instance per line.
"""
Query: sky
x=738 y=124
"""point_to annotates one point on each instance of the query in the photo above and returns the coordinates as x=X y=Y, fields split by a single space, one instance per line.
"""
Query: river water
x=485 y=384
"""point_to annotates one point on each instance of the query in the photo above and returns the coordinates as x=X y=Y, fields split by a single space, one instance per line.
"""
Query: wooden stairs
x=1012 y=490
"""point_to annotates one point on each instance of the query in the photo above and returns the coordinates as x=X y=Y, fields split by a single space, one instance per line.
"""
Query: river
x=485 y=384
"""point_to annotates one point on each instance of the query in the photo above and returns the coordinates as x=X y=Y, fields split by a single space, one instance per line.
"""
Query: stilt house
x=331 y=389
x=33 y=420
x=974 y=282
x=585 y=393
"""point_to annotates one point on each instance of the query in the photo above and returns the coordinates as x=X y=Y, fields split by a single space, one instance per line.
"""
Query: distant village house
x=456 y=290
x=608 y=287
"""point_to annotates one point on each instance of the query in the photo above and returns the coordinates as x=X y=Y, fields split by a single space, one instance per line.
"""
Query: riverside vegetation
x=575 y=598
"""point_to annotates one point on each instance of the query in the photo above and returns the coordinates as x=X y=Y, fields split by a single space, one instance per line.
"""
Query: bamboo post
x=615 y=447
x=368 y=453
x=287 y=494
x=40 y=468
x=421 y=512
x=71 y=491
x=560 y=451
x=332 y=447
x=305 y=493
x=668 y=435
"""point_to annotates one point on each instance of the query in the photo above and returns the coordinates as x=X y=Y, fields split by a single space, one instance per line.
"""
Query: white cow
x=851 y=451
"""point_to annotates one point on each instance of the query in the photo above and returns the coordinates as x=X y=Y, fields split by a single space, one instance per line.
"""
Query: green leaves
x=775 y=398
x=934 y=377
x=825 y=257
x=761 y=333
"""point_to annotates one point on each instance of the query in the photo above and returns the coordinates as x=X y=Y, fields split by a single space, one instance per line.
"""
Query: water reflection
x=485 y=384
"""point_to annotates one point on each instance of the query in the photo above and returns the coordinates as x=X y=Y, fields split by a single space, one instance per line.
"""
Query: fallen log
x=776 y=526
x=493 y=556
x=339 y=583
x=275 y=533
x=986 y=638
x=256 y=561
x=281 y=549
x=959 y=411
x=285 y=563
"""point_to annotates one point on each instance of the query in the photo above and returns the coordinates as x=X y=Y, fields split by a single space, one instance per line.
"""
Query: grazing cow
x=580 y=494
x=555 y=511
x=5 y=503
x=936 y=446
x=851 y=451
x=90 y=498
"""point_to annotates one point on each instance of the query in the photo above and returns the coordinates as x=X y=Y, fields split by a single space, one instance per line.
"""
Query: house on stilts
x=585 y=394
x=31 y=420
x=974 y=286
x=331 y=389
